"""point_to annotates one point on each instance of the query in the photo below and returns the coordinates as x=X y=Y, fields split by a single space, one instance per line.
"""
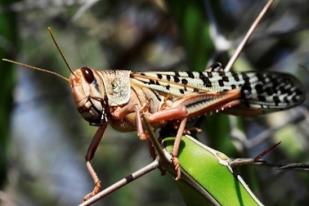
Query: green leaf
x=209 y=171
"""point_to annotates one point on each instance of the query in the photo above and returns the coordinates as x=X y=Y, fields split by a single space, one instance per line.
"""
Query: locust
x=118 y=97
x=122 y=98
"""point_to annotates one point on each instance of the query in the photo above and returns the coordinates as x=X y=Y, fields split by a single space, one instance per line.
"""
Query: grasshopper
x=122 y=98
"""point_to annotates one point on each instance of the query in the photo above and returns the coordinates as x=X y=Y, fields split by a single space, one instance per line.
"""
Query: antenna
x=248 y=35
x=60 y=51
x=36 y=68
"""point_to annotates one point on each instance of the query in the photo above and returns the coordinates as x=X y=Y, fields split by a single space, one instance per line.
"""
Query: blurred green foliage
x=193 y=31
x=8 y=47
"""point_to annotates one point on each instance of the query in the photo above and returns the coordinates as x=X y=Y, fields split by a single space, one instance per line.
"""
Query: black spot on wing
x=156 y=82
x=299 y=92
x=246 y=90
x=215 y=67
x=176 y=79
x=289 y=92
x=221 y=83
x=295 y=98
x=276 y=100
x=259 y=88
x=262 y=98
x=221 y=73
x=157 y=96
x=206 y=81
x=282 y=89
x=235 y=76
x=261 y=78
x=168 y=77
x=190 y=74
x=225 y=79
x=269 y=91
x=184 y=81
x=209 y=74
x=286 y=99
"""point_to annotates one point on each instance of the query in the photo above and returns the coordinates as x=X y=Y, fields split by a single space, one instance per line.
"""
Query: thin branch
x=280 y=166
x=124 y=181
x=266 y=152
x=257 y=160
x=247 y=36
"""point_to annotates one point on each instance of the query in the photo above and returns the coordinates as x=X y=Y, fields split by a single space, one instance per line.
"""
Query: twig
x=247 y=36
x=280 y=166
x=257 y=160
x=124 y=181
x=266 y=152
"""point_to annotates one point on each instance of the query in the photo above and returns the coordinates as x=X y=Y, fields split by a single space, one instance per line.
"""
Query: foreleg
x=89 y=156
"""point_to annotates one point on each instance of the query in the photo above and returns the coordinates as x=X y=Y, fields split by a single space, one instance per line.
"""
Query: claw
x=143 y=136
x=96 y=190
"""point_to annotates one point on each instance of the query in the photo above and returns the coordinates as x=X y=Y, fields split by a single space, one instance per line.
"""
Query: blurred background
x=43 y=139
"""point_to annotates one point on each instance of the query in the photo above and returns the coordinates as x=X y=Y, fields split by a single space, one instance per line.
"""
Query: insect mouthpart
x=94 y=111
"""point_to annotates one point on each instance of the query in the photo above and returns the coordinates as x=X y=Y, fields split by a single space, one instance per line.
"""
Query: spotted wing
x=267 y=91
x=271 y=91
x=182 y=83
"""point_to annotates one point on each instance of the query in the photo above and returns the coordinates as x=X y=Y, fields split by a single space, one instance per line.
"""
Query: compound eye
x=88 y=74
